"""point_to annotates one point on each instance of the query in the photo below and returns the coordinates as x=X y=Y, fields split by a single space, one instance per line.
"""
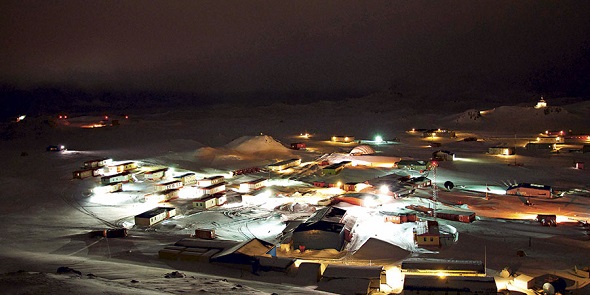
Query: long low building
x=282 y=165
x=121 y=177
x=530 y=190
x=187 y=178
x=447 y=267
x=253 y=185
x=419 y=165
x=456 y=215
x=154 y=216
x=501 y=150
x=209 y=181
x=97 y=163
x=335 y=168
x=449 y=285
x=174 y=184
x=212 y=189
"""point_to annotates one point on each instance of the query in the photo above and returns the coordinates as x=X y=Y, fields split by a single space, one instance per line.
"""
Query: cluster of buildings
x=112 y=175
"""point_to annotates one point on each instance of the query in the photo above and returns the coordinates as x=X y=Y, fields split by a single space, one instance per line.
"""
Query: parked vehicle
x=547 y=219
x=110 y=233
x=56 y=148
x=208 y=234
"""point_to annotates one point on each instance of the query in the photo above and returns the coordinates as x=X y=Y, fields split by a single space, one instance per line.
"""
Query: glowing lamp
x=378 y=139
x=384 y=189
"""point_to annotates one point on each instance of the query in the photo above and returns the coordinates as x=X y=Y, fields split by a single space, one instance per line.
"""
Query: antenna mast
x=434 y=189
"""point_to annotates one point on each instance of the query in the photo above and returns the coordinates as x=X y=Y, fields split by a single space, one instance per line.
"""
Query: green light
x=378 y=139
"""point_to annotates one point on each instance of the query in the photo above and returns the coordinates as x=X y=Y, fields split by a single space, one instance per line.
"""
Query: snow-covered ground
x=47 y=215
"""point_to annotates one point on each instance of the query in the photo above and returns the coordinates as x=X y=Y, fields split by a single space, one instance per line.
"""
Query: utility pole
x=485 y=260
x=514 y=148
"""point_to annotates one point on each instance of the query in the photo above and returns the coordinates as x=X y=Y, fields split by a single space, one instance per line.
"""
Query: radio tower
x=434 y=189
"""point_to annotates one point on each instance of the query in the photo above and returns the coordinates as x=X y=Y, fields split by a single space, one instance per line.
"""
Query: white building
x=156 y=174
x=174 y=184
x=154 y=216
x=121 y=177
x=205 y=203
x=541 y=104
x=252 y=185
x=187 y=178
x=284 y=164
x=208 y=181
x=212 y=189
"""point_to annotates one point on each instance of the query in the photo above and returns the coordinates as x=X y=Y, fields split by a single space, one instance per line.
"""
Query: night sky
x=227 y=47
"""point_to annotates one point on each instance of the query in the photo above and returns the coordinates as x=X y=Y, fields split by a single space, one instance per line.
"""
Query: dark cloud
x=298 y=46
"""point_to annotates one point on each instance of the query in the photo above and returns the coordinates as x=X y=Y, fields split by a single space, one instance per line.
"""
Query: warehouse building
x=501 y=150
x=530 y=190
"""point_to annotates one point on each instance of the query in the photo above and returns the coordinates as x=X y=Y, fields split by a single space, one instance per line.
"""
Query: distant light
x=126 y=117
x=378 y=139
x=538 y=139
x=442 y=275
x=20 y=118
x=339 y=184
x=413 y=129
x=106 y=117
x=384 y=189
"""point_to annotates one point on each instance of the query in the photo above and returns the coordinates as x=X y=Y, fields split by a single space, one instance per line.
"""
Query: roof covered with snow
x=362 y=149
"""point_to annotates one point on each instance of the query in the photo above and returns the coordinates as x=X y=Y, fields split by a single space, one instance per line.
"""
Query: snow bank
x=257 y=144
